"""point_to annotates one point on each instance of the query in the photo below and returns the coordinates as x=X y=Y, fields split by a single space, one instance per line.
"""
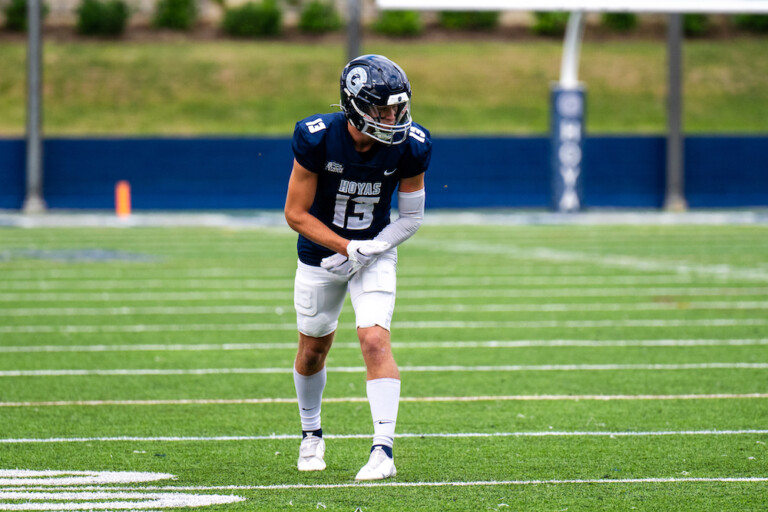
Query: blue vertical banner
x=567 y=139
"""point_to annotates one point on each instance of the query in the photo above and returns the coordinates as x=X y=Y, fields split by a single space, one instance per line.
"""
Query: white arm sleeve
x=410 y=206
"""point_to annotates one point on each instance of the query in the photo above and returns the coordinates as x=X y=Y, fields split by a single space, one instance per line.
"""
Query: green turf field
x=544 y=367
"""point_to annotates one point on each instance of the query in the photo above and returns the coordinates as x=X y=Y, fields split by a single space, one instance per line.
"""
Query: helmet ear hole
x=372 y=82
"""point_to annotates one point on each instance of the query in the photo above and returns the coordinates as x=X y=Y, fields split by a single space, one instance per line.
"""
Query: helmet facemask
x=388 y=124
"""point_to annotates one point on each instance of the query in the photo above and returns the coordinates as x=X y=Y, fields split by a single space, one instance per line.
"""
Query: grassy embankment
x=224 y=87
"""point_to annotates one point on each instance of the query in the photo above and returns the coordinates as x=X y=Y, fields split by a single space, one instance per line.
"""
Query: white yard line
x=458 y=435
x=361 y=369
x=579 y=292
x=403 y=293
x=43 y=284
x=145 y=284
x=154 y=310
x=426 y=399
x=411 y=270
x=540 y=324
x=286 y=297
x=159 y=347
x=413 y=308
x=455 y=483
x=69 y=273
x=553 y=255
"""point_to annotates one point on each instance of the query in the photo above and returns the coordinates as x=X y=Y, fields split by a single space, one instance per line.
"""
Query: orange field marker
x=123 y=199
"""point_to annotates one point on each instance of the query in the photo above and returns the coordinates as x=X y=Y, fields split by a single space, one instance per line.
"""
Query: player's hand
x=339 y=264
x=365 y=252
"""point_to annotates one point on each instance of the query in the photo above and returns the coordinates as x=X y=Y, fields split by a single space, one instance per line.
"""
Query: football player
x=347 y=167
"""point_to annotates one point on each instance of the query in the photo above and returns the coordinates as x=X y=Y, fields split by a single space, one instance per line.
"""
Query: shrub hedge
x=97 y=18
x=251 y=19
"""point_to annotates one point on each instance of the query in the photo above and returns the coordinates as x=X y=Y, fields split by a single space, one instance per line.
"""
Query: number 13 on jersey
x=361 y=215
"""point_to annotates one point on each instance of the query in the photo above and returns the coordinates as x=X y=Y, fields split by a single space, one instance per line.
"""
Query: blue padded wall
x=13 y=179
x=466 y=172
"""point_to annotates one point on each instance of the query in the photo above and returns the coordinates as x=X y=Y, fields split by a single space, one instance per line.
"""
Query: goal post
x=568 y=95
x=638 y=6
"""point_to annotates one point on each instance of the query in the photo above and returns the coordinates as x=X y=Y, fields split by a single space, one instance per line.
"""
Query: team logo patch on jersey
x=334 y=167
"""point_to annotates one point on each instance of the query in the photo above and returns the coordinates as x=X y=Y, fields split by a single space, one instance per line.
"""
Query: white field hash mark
x=362 y=369
x=542 y=324
x=177 y=347
x=280 y=437
x=64 y=490
x=425 y=399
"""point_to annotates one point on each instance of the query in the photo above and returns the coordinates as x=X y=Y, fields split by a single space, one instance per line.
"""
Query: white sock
x=309 y=391
x=384 y=397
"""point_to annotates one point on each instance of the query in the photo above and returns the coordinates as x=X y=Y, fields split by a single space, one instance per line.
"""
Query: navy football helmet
x=376 y=98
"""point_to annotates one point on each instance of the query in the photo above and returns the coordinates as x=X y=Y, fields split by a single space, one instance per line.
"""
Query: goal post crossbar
x=636 y=6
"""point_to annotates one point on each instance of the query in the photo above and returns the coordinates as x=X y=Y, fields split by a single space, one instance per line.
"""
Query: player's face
x=390 y=115
x=384 y=121
x=385 y=114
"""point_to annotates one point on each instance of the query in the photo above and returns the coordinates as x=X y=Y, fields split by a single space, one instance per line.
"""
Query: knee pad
x=318 y=300
x=373 y=292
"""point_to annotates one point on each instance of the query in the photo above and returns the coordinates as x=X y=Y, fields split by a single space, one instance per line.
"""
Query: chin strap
x=410 y=206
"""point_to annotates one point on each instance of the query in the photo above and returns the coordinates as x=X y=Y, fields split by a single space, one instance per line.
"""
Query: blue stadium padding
x=624 y=172
x=488 y=172
x=168 y=173
x=13 y=180
x=466 y=172
x=730 y=172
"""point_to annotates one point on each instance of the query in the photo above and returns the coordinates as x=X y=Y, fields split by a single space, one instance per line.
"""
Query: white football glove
x=339 y=264
x=361 y=254
x=365 y=252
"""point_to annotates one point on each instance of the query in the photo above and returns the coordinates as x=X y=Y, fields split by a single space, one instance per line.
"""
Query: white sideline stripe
x=460 y=483
x=361 y=369
x=426 y=399
x=280 y=437
x=396 y=345
x=540 y=324
x=427 y=308
x=620 y=291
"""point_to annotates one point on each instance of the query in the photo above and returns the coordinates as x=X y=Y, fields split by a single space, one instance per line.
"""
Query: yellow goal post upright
x=568 y=95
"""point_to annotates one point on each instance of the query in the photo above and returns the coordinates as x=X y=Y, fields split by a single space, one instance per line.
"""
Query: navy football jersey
x=354 y=190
